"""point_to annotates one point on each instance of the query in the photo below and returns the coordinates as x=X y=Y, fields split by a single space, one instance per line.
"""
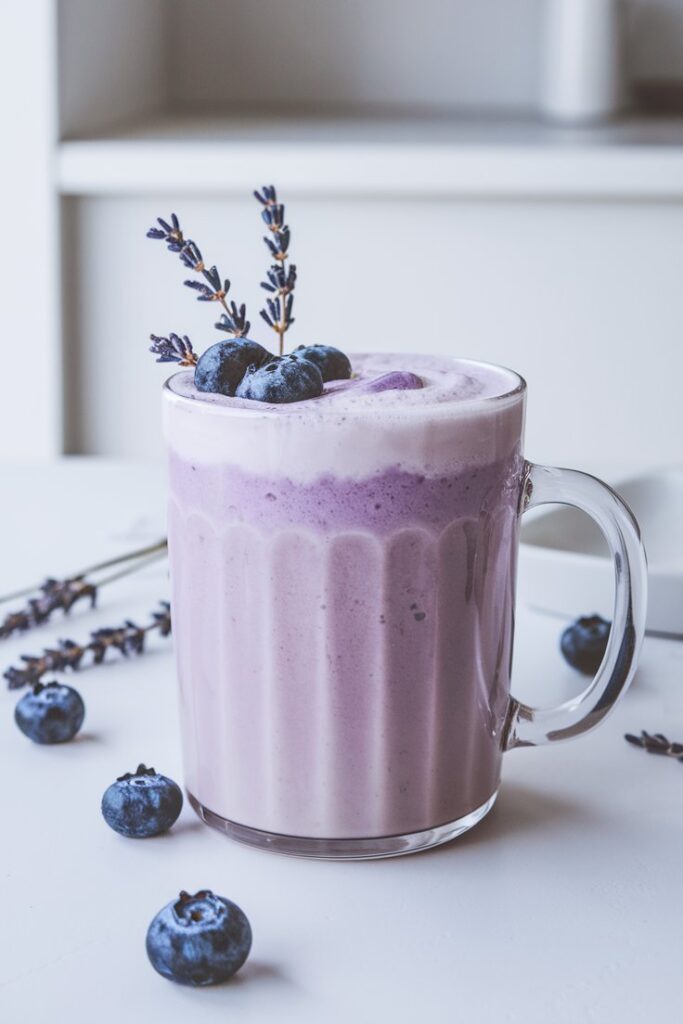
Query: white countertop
x=564 y=905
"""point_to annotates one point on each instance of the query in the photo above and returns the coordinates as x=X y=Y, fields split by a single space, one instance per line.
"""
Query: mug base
x=344 y=849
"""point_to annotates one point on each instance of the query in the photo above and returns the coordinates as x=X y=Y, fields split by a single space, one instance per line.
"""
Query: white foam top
x=465 y=412
x=444 y=380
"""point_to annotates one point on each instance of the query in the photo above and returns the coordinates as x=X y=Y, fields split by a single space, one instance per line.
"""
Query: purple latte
x=343 y=585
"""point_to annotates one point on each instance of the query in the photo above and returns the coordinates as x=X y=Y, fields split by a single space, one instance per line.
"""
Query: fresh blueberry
x=332 y=363
x=583 y=643
x=142 y=803
x=199 y=940
x=283 y=379
x=50 y=713
x=221 y=368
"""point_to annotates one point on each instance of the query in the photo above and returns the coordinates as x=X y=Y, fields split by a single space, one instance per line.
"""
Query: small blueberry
x=284 y=379
x=142 y=803
x=332 y=363
x=583 y=643
x=199 y=940
x=51 y=713
x=221 y=368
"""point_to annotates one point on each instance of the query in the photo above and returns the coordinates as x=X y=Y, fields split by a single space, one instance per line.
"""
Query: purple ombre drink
x=343 y=576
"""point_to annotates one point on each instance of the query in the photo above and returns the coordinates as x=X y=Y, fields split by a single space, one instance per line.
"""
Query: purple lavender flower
x=173 y=349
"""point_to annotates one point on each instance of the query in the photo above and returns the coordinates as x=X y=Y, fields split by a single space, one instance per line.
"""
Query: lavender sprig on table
x=656 y=744
x=281 y=279
x=214 y=288
x=55 y=595
x=126 y=639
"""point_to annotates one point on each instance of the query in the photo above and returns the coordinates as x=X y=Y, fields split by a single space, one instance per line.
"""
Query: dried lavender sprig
x=159 y=547
x=53 y=595
x=218 y=290
x=61 y=595
x=234 y=321
x=656 y=744
x=191 y=257
x=126 y=639
x=173 y=349
x=279 y=280
x=149 y=549
x=170 y=233
x=277 y=312
x=142 y=564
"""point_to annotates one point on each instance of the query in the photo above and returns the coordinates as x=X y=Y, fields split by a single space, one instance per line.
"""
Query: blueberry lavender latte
x=343 y=571
x=342 y=538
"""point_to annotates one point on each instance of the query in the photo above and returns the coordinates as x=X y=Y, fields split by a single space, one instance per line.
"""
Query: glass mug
x=343 y=591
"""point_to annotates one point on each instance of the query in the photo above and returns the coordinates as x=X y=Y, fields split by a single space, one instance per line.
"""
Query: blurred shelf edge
x=637 y=157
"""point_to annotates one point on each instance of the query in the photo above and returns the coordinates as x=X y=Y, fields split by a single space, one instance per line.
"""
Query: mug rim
x=218 y=404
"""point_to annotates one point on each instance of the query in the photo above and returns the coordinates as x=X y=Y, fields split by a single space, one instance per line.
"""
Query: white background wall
x=30 y=407
x=584 y=299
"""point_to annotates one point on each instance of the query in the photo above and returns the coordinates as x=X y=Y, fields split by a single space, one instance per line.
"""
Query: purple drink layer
x=385 y=502
x=343 y=619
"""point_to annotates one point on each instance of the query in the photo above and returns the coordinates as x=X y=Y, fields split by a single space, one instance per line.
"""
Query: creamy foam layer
x=465 y=413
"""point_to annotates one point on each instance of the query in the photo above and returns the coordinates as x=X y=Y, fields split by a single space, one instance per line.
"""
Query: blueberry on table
x=50 y=713
x=142 y=803
x=221 y=368
x=332 y=363
x=284 y=379
x=199 y=940
x=583 y=644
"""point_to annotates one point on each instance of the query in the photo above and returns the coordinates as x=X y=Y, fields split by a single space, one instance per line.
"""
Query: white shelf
x=375 y=157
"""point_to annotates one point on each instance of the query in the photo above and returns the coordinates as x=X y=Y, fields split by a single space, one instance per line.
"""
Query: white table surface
x=564 y=905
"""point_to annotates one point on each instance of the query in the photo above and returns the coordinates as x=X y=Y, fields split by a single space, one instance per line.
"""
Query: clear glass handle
x=529 y=727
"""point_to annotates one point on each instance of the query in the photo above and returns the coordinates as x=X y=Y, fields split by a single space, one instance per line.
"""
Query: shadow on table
x=255 y=975
x=519 y=809
x=185 y=825
x=188 y=823
x=261 y=972
x=88 y=737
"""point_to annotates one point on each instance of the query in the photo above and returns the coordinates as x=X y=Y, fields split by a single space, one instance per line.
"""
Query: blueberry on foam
x=332 y=363
x=199 y=940
x=221 y=368
x=283 y=379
